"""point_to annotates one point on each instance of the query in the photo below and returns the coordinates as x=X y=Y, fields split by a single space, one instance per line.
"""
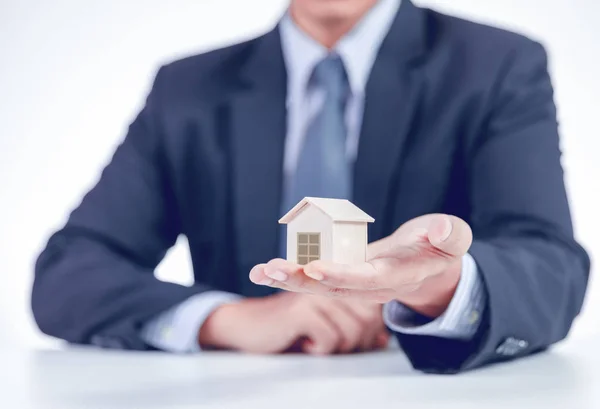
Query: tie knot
x=330 y=74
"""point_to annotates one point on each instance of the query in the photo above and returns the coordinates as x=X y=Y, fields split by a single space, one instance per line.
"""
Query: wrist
x=218 y=327
x=436 y=293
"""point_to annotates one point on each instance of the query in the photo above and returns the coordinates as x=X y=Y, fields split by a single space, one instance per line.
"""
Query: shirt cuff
x=461 y=319
x=176 y=329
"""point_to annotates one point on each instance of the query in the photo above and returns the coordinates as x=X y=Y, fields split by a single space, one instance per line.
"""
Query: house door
x=309 y=247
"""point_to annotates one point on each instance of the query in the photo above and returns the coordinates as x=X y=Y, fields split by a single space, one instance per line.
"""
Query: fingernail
x=315 y=275
x=447 y=229
x=277 y=275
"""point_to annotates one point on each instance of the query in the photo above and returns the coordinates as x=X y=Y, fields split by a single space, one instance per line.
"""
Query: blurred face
x=322 y=17
x=332 y=11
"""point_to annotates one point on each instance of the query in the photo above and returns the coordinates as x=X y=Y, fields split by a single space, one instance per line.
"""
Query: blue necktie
x=323 y=169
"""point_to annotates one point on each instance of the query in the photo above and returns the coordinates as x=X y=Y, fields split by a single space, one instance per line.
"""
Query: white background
x=74 y=73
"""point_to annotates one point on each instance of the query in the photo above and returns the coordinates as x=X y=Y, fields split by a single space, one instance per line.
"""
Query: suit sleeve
x=534 y=272
x=461 y=319
x=94 y=280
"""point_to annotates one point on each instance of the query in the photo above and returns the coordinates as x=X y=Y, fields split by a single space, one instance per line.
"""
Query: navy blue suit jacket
x=459 y=119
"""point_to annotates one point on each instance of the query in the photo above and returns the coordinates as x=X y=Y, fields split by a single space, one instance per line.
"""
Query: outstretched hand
x=418 y=265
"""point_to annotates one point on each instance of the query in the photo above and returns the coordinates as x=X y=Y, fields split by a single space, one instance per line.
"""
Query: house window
x=309 y=247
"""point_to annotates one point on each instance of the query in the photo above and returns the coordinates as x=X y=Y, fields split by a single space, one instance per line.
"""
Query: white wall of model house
x=349 y=242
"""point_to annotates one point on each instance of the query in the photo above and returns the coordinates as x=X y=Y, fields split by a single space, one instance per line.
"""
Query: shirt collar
x=357 y=49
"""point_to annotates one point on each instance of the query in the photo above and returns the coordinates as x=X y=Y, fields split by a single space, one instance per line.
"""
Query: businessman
x=442 y=129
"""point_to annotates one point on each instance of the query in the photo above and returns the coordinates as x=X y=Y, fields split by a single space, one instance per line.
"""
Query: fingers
x=450 y=234
x=279 y=273
x=297 y=281
x=361 y=276
x=351 y=329
x=376 y=335
x=323 y=337
x=371 y=319
x=382 y=339
x=359 y=327
x=257 y=275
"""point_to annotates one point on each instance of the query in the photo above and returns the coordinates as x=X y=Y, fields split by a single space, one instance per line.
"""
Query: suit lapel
x=391 y=97
x=258 y=128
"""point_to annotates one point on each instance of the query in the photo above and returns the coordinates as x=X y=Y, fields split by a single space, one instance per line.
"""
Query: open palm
x=424 y=252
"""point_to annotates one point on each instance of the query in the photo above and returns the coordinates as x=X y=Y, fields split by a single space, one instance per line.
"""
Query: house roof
x=337 y=209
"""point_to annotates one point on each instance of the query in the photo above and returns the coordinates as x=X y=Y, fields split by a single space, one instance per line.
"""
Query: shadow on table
x=153 y=380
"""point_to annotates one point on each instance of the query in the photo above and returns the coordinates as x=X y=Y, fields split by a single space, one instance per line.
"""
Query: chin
x=334 y=11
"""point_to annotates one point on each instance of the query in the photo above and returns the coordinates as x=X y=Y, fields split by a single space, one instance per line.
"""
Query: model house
x=326 y=229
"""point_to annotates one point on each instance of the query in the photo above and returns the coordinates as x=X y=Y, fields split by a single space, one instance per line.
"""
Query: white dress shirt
x=176 y=329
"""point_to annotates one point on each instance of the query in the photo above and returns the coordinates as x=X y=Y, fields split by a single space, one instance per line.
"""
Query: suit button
x=511 y=346
x=522 y=344
x=107 y=342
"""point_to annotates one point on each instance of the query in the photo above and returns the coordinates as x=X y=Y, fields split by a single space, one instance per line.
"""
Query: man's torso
x=222 y=117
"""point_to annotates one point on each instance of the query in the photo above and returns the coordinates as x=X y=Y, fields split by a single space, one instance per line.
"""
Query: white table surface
x=566 y=377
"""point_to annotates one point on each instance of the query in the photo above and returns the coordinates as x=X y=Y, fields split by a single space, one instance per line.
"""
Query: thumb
x=450 y=234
